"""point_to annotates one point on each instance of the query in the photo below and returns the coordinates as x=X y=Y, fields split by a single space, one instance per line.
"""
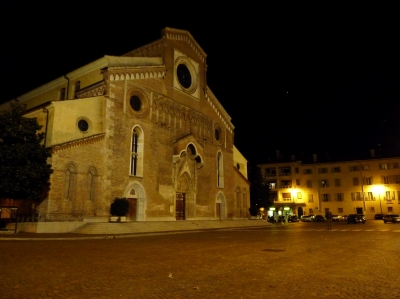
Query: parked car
x=356 y=218
x=378 y=216
x=337 y=218
x=293 y=218
x=319 y=218
x=391 y=218
x=345 y=217
x=307 y=218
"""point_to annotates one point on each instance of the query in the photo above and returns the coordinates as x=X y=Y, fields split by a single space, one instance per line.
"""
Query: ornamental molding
x=183 y=35
x=77 y=143
x=219 y=109
x=94 y=90
x=137 y=74
x=170 y=107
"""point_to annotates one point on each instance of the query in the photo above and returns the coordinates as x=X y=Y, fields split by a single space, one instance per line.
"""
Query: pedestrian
x=328 y=217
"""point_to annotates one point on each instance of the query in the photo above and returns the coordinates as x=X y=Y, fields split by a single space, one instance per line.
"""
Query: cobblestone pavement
x=297 y=260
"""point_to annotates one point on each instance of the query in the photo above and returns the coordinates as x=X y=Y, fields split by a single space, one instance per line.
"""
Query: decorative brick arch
x=220 y=206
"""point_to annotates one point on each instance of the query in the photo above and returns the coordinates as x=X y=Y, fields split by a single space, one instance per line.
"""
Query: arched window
x=70 y=182
x=245 y=204
x=137 y=152
x=220 y=170
x=238 y=198
x=92 y=183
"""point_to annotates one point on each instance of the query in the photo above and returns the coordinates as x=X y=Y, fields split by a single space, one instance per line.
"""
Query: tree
x=119 y=207
x=24 y=171
x=259 y=191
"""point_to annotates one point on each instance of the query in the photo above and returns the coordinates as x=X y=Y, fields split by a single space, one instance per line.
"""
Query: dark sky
x=293 y=78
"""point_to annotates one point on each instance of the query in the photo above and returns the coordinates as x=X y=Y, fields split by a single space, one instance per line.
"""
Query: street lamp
x=379 y=189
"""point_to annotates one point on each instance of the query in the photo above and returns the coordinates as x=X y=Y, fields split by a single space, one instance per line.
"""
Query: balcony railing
x=285 y=186
x=285 y=173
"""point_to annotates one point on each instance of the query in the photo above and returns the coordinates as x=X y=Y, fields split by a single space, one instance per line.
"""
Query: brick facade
x=154 y=133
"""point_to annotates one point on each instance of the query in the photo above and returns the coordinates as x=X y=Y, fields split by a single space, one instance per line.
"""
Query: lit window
x=368 y=196
x=324 y=183
x=383 y=166
x=389 y=195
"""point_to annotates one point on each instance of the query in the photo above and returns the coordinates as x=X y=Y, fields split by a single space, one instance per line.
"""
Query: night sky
x=310 y=79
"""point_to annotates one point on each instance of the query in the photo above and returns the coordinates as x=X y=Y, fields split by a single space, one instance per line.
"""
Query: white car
x=308 y=218
x=337 y=218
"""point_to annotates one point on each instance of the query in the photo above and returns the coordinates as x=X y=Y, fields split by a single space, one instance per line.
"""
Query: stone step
x=163 y=226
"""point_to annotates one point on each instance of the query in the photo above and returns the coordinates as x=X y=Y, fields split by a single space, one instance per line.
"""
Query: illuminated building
x=368 y=186
x=144 y=126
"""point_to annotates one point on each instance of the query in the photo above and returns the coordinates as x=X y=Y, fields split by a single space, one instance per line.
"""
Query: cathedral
x=144 y=126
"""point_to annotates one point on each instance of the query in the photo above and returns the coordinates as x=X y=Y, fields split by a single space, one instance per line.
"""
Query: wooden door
x=218 y=210
x=180 y=206
x=132 y=209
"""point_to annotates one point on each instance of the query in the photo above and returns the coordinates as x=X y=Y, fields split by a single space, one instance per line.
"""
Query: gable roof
x=171 y=34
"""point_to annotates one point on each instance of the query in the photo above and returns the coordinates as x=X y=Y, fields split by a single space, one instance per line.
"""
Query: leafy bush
x=119 y=207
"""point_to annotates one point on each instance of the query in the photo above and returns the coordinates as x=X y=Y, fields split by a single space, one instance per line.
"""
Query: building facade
x=369 y=187
x=144 y=126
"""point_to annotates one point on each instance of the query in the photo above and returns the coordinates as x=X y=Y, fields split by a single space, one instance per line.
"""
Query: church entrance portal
x=132 y=209
x=180 y=206
x=218 y=210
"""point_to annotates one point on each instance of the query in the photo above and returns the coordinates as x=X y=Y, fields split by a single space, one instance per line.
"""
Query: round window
x=83 y=125
x=136 y=103
x=184 y=76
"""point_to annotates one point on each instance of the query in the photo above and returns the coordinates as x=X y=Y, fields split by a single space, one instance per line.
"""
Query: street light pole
x=379 y=189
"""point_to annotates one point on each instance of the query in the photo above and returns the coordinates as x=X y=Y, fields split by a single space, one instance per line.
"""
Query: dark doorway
x=299 y=212
x=180 y=206
x=359 y=211
x=218 y=210
x=132 y=208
